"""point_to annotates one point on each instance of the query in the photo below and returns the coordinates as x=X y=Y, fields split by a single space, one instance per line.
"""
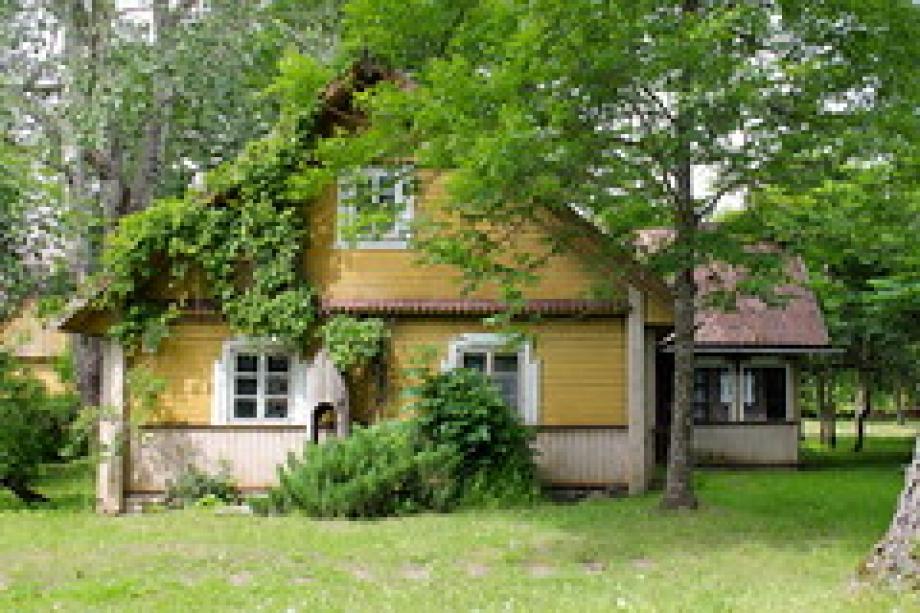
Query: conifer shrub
x=377 y=471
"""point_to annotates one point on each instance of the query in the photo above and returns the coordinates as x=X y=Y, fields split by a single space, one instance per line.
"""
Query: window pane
x=278 y=363
x=276 y=408
x=247 y=363
x=475 y=361
x=277 y=386
x=505 y=363
x=713 y=394
x=507 y=384
x=244 y=408
x=246 y=386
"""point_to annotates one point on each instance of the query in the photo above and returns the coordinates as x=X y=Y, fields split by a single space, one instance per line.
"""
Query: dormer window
x=375 y=208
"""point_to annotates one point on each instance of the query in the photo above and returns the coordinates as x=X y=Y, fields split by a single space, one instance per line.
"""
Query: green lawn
x=763 y=541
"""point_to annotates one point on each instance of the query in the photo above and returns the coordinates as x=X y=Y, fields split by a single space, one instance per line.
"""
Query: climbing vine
x=242 y=238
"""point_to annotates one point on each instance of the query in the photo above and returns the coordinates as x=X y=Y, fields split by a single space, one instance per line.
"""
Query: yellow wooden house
x=585 y=378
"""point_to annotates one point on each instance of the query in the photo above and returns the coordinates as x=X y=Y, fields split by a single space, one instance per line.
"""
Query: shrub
x=462 y=410
x=195 y=486
x=375 y=472
x=30 y=426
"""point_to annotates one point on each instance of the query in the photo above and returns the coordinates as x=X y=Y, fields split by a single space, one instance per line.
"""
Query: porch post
x=651 y=400
x=635 y=394
x=110 y=473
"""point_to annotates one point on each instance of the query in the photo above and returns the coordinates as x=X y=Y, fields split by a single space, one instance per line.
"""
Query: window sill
x=372 y=245
x=746 y=423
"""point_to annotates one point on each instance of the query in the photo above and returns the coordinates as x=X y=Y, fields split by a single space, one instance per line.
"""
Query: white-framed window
x=376 y=207
x=509 y=363
x=258 y=381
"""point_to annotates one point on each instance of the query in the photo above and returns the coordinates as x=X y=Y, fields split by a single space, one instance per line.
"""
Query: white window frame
x=347 y=210
x=528 y=366
x=223 y=381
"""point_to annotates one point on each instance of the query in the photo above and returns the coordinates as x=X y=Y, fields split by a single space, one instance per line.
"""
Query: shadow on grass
x=69 y=487
x=877 y=452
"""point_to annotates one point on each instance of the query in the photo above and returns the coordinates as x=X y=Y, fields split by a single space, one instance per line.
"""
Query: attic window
x=375 y=208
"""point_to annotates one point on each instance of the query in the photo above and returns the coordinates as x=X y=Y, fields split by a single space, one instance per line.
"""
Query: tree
x=130 y=101
x=30 y=422
x=616 y=110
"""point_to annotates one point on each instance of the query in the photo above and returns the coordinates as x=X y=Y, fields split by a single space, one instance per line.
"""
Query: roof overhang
x=710 y=349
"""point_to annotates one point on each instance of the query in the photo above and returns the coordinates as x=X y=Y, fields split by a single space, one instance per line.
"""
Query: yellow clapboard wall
x=185 y=360
x=349 y=272
x=582 y=374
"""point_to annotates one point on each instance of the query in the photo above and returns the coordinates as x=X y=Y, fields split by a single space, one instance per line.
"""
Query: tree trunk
x=679 y=482
x=899 y=401
x=897 y=555
x=865 y=408
x=826 y=409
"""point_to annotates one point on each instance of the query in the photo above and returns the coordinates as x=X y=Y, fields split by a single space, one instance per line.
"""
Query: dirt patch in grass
x=414 y=572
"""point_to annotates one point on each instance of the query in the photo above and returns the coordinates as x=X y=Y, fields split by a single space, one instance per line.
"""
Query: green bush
x=376 y=472
x=462 y=410
x=30 y=426
x=464 y=446
x=197 y=487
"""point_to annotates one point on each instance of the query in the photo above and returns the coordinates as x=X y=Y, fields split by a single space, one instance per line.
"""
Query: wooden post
x=112 y=443
x=635 y=369
x=651 y=401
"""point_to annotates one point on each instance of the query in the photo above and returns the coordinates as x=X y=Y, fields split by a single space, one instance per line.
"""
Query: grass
x=762 y=541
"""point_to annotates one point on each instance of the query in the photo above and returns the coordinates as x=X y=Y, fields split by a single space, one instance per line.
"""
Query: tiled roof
x=468 y=306
x=797 y=323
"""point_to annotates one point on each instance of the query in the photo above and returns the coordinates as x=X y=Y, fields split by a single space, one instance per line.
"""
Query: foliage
x=31 y=421
x=352 y=342
x=245 y=238
x=618 y=111
x=856 y=232
x=463 y=446
x=376 y=472
x=197 y=487
x=462 y=410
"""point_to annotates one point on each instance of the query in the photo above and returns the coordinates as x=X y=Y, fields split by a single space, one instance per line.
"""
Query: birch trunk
x=897 y=555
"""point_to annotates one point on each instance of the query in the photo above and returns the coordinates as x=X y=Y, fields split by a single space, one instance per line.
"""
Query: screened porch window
x=713 y=394
x=764 y=394
x=260 y=387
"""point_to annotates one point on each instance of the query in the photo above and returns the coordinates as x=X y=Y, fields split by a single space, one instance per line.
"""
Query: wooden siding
x=396 y=273
x=739 y=443
x=583 y=457
x=583 y=373
x=36 y=343
x=658 y=312
x=250 y=455
x=186 y=361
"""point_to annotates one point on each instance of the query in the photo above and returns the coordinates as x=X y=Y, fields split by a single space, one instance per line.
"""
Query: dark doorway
x=664 y=397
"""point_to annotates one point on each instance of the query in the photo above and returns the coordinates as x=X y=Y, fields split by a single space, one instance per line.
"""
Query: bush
x=375 y=472
x=195 y=486
x=464 y=446
x=462 y=410
x=30 y=424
